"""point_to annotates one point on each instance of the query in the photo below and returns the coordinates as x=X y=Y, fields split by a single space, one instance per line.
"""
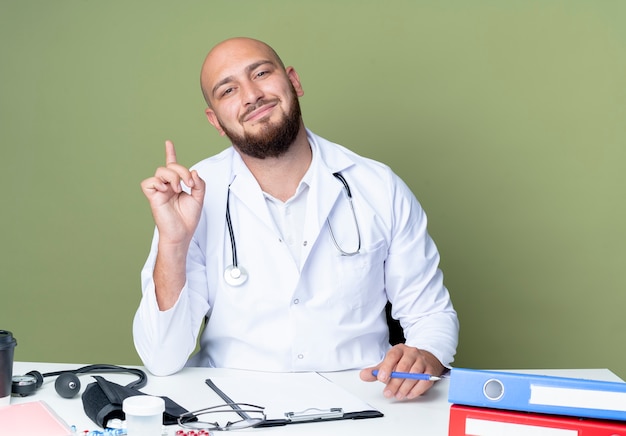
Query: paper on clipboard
x=294 y=397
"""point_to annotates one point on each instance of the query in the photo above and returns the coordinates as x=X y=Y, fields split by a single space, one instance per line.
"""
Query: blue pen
x=411 y=375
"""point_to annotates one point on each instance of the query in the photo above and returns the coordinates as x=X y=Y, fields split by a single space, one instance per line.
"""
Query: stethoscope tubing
x=235 y=275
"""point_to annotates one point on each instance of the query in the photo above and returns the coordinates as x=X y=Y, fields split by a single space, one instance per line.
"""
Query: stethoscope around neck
x=236 y=275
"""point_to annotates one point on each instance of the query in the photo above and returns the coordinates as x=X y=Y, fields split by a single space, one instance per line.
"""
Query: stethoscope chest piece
x=235 y=275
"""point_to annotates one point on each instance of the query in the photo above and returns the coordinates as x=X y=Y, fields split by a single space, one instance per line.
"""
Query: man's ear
x=295 y=80
x=210 y=115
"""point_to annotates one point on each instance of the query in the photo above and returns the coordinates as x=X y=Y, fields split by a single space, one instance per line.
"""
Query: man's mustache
x=257 y=105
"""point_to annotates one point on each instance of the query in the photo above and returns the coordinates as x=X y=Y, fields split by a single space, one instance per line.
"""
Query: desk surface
x=427 y=415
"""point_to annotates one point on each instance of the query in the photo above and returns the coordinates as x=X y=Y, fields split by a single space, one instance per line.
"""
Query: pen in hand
x=411 y=375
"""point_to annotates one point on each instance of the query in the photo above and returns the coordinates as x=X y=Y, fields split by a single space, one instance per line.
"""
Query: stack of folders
x=499 y=403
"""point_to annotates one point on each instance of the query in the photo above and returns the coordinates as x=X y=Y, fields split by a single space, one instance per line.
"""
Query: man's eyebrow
x=248 y=69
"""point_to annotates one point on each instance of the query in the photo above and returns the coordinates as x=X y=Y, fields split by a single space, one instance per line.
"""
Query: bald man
x=282 y=251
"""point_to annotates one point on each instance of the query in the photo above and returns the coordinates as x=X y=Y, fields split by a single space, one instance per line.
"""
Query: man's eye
x=261 y=73
x=227 y=91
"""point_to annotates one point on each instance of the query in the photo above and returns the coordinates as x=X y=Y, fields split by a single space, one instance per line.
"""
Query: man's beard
x=274 y=139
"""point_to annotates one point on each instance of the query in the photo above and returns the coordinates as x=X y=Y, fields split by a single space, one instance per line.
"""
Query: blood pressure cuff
x=102 y=401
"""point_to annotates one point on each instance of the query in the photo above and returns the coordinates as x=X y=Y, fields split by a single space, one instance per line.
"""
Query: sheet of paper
x=282 y=393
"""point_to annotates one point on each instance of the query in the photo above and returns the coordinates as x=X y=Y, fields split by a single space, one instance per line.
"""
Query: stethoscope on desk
x=236 y=275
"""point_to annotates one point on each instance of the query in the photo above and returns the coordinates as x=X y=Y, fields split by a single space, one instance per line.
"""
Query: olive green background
x=506 y=118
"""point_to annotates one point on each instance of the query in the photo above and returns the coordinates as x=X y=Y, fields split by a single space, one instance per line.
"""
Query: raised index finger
x=170 y=152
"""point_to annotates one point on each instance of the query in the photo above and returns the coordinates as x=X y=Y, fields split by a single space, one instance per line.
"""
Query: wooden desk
x=427 y=415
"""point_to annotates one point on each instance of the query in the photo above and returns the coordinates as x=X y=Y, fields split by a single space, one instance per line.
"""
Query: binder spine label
x=480 y=427
x=578 y=398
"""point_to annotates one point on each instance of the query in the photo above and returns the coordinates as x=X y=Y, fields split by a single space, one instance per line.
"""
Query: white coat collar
x=324 y=188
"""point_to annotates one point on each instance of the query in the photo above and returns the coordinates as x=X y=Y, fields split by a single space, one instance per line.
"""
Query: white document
x=298 y=395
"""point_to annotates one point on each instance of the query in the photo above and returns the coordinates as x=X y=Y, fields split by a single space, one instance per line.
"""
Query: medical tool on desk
x=245 y=416
x=67 y=383
x=410 y=375
x=236 y=275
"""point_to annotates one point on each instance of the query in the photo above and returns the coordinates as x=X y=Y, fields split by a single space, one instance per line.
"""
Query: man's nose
x=251 y=93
